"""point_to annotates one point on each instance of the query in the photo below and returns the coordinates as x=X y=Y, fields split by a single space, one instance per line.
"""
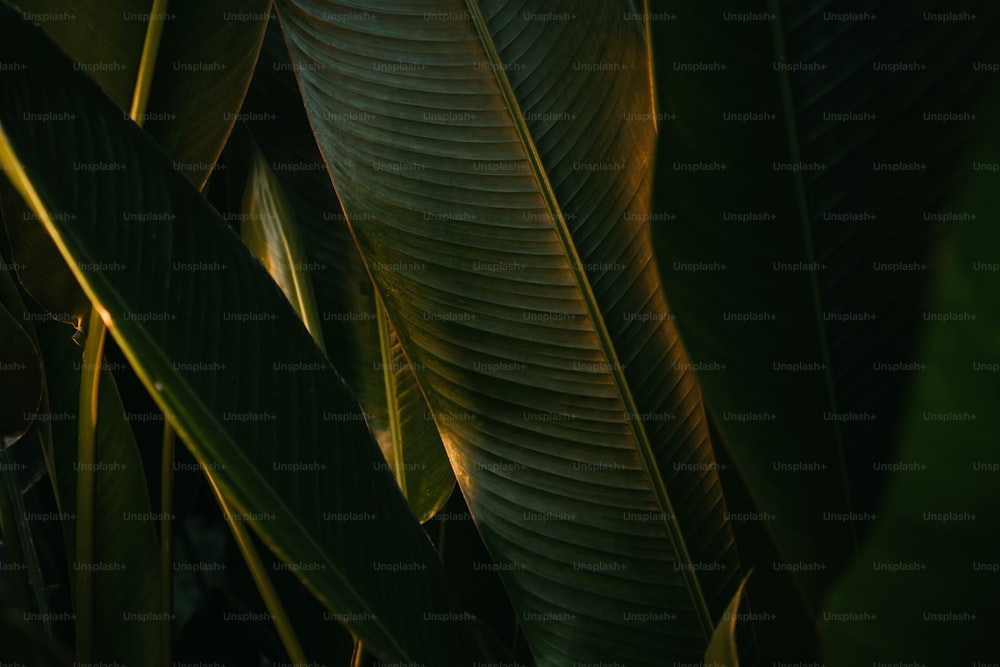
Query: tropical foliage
x=496 y=332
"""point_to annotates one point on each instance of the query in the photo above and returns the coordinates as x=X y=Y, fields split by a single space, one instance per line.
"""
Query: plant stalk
x=271 y=600
x=86 y=494
x=140 y=101
x=358 y=655
x=147 y=65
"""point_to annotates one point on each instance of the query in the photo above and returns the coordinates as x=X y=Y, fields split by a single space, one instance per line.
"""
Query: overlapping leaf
x=270 y=231
x=493 y=163
x=344 y=293
x=205 y=59
x=800 y=182
x=174 y=283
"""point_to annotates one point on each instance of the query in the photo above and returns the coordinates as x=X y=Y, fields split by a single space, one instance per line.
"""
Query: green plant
x=392 y=246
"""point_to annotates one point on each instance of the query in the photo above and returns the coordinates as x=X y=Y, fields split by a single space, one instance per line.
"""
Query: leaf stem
x=140 y=100
x=358 y=655
x=260 y=578
x=147 y=65
x=86 y=495
x=809 y=246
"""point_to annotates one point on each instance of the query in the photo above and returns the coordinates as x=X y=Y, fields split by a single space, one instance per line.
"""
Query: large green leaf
x=795 y=172
x=498 y=187
x=126 y=555
x=104 y=38
x=926 y=588
x=344 y=294
x=247 y=397
x=205 y=60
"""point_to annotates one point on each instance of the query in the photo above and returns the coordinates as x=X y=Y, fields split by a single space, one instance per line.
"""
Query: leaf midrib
x=615 y=369
x=802 y=205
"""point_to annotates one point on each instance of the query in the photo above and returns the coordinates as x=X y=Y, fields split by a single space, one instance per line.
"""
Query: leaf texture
x=345 y=298
x=499 y=192
x=169 y=275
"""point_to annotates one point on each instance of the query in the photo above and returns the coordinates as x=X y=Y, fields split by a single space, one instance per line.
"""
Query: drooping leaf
x=247 y=398
x=795 y=175
x=344 y=294
x=497 y=185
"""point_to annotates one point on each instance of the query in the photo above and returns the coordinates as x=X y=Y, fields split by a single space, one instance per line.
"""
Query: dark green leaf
x=925 y=589
x=344 y=293
x=206 y=60
x=795 y=261
x=204 y=63
x=270 y=231
x=255 y=401
x=498 y=194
